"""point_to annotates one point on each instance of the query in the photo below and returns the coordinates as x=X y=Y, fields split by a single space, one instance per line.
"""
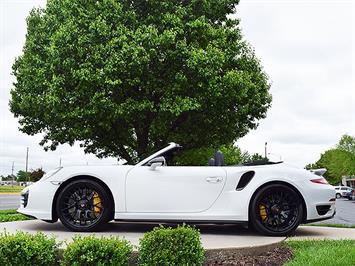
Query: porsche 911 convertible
x=271 y=197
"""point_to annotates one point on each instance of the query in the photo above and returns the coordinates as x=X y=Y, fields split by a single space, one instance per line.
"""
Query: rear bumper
x=320 y=219
x=319 y=200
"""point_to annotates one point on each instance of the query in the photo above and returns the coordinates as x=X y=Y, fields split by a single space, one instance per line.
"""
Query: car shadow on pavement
x=139 y=227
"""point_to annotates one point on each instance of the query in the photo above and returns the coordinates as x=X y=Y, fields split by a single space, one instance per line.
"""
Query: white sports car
x=271 y=197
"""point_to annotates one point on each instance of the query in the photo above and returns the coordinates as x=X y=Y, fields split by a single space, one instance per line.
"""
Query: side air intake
x=245 y=179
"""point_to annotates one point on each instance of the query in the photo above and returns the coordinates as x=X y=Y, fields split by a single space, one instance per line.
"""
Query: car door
x=169 y=189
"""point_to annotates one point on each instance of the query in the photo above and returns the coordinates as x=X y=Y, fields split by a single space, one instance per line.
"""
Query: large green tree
x=126 y=77
x=23 y=176
x=339 y=161
x=233 y=155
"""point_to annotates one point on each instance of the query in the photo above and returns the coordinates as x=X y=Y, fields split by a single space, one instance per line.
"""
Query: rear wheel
x=276 y=210
x=338 y=195
x=84 y=205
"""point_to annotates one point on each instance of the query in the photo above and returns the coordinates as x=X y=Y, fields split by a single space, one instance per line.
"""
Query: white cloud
x=306 y=47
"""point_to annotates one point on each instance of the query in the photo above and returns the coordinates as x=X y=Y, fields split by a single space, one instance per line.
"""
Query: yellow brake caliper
x=262 y=212
x=97 y=204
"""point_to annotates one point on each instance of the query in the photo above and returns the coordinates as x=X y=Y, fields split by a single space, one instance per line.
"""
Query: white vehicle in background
x=342 y=191
x=271 y=197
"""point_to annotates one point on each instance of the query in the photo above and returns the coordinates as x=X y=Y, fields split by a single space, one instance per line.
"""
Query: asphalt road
x=9 y=202
x=345 y=209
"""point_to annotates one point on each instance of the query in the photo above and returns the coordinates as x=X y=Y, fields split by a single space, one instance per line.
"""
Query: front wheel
x=338 y=196
x=276 y=210
x=83 y=206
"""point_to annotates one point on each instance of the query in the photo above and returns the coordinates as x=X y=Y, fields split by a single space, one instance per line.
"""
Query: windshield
x=171 y=155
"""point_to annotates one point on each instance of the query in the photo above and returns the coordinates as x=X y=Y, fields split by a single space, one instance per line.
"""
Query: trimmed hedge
x=168 y=246
x=27 y=249
x=162 y=246
x=97 y=251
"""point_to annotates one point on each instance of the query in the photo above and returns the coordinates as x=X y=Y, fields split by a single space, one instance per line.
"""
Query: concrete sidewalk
x=212 y=236
x=322 y=232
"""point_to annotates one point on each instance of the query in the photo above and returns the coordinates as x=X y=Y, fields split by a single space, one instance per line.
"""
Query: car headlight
x=51 y=173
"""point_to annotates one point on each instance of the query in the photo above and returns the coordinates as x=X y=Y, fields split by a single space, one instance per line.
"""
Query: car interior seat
x=211 y=162
x=218 y=158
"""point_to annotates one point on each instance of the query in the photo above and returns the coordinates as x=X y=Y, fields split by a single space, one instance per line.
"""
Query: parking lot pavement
x=8 y=201
x=322 y=232
x=345 y=213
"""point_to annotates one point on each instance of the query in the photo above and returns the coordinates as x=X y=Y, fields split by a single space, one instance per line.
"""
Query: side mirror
x=156 y=162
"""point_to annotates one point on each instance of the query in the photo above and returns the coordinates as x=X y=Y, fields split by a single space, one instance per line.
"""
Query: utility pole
x=265 y=150
x=12 y=173
x=27 y=160
x=60 y=162
x=27 y=164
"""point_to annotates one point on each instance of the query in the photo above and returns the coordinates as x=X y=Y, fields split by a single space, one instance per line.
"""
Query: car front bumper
x=36 y=200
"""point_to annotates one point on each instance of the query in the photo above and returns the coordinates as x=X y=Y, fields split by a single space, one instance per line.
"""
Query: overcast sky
x=306 y=47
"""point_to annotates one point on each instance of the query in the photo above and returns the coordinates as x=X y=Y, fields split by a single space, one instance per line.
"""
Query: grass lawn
x=11 y=189
x=333 y=225
x=11 y=215
x=322 y=252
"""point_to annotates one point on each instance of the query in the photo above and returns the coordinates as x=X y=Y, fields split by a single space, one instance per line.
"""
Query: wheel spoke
x=82 y=206
x=278 y=209
x=69 y=207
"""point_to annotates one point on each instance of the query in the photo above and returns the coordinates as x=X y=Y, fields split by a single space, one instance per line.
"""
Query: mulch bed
x=275 y=257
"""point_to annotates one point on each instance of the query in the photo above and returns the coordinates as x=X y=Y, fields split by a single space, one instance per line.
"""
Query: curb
x=10 y=193
x=213 y=255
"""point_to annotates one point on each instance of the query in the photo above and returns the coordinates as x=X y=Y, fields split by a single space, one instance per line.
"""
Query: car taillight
x=321 y=180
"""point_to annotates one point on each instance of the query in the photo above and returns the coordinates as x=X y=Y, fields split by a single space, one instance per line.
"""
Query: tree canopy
x=23 y=176
x=339 y=161
x=36 y=174
x=125 y=77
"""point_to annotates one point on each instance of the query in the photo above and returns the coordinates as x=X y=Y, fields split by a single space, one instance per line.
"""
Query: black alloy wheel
x=83 y=206
x=276 y=210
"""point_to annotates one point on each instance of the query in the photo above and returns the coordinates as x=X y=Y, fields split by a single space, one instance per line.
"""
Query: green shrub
x=97 y=251
x=26 y=249
x=168 y=246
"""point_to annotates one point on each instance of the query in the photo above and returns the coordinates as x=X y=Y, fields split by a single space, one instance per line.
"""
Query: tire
x=276 y=210
x=84 y=206
x=338 y=196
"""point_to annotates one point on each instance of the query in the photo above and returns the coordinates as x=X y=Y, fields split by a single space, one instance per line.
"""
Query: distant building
x=348 y=181
x=8 y=183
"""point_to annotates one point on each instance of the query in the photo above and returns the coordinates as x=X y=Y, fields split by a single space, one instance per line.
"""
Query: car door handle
x=215 y=179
